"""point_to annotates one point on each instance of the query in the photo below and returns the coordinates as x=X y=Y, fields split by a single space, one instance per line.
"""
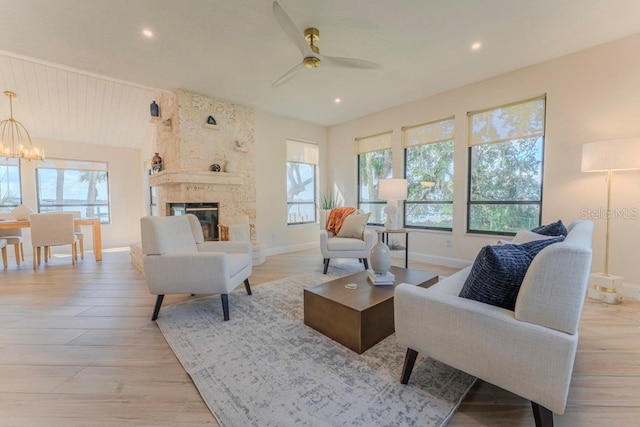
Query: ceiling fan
x=311 y=57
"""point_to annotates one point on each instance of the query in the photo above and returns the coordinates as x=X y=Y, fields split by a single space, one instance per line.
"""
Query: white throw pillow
x=353 y=226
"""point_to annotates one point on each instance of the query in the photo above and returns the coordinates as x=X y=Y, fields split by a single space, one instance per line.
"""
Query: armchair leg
x=247 y=287
x=542 y=416
x=156 y=309
x=326 y=266
x=407 y=368
x=225 y=306
x=366 y=263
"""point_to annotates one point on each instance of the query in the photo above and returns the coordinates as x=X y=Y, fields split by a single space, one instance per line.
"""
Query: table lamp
x=609 y=156
x=392 y=190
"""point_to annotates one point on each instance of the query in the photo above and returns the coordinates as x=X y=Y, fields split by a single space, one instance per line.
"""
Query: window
x=73 y=185
x=375 y=162
x=302 y=161
x=428 y=159
x=10 y=192
x=505 y=167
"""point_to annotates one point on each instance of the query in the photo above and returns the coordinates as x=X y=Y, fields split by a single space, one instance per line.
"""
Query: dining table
x=93 y=222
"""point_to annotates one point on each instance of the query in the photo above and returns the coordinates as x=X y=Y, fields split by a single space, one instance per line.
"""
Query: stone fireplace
x=190 y=147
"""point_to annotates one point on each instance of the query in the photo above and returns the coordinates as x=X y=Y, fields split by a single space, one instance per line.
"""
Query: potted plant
x=327 y=202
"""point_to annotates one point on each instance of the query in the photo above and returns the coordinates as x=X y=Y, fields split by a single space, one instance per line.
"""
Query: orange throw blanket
x=336 y=218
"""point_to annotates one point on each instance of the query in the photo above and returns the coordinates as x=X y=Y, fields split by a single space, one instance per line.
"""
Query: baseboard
x=440 y=260
x=291 y=248
x=630 y=290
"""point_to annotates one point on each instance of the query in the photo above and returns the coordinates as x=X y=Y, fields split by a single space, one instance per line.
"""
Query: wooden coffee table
x=357 y=318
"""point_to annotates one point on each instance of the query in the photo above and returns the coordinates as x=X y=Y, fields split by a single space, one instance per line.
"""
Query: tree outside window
x=302 y=159
x=375 y=162
x=72 y=185
x=505 y=168
x=428 y=154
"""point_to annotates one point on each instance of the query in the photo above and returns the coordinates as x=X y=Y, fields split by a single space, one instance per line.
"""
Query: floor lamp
x=392 y=190
x=609 y=156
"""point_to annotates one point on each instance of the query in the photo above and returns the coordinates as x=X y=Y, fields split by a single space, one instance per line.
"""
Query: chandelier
x=15 y=141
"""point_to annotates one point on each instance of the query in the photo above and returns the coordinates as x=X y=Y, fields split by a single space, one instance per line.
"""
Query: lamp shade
x=613 y=155
x=392 y=189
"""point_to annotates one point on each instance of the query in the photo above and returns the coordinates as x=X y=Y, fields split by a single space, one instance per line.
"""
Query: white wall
x=271 y=133
x=591 y=95
x=126 y=190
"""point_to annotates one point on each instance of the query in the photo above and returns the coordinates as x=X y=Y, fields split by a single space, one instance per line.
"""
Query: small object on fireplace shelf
x=155 y=109
x=215 y=168
x=241 y=146
x=156 y=159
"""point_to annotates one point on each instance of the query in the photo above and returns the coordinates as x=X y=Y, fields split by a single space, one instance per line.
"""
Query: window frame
x=371 y=202
x=302 y=153
x=314 y=203
x=538 y=202
x=46 y=165
x=406 y=147
x=379 y=142
x=9 y=207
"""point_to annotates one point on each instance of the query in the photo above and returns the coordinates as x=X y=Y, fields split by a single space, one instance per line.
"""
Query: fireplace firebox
x=207 y=214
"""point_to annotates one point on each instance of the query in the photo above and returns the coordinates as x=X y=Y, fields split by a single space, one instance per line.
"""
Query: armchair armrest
x=226 y=246
x=324 y=236
x=370 y=238
x=487 y=342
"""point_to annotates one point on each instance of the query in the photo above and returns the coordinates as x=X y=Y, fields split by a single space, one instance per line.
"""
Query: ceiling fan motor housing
x=311 y=62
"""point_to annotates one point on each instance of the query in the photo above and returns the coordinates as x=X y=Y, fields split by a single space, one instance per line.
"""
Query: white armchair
x=529 y=351
x=177 y=260
x=353 y=240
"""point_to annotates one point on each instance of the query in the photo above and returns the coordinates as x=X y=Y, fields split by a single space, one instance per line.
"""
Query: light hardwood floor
x=78 y=348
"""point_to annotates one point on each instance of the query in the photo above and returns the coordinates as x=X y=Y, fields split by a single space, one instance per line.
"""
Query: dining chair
x=3 y=245
x=13 y=236
x=52 y=230
x=78 y=231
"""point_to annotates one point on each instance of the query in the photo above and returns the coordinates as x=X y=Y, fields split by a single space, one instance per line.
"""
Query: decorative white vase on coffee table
x=380 y=257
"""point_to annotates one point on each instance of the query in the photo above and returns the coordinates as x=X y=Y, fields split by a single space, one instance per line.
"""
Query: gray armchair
x=177 y=260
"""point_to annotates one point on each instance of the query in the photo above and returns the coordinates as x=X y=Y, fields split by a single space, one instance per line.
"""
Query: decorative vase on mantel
x=154 y=109
x=230 y=166
x=380 y=257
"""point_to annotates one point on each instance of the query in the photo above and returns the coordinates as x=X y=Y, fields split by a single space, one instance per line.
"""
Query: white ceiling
x=235 y=50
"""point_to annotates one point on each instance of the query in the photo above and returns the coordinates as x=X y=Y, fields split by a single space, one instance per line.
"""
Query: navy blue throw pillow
x=554 y=229
x=498 y=271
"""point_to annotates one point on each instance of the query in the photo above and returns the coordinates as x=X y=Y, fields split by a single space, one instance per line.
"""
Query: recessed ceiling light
x=476 y=46
x=337 y=100
x=147 y=33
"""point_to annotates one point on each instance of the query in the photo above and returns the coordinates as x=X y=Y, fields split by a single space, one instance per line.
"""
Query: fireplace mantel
x=184 y=177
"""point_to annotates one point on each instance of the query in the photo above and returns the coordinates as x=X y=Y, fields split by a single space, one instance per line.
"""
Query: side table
x=385 y=239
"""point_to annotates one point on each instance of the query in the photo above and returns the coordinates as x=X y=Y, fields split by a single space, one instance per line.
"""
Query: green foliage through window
x=505 y=168
x=428 y=161
x=372 y=167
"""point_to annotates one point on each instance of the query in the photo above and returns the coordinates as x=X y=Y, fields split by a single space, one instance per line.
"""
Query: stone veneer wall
x=189 y=146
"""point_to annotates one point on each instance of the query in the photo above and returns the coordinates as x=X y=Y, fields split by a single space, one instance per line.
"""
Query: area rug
x=264 y=367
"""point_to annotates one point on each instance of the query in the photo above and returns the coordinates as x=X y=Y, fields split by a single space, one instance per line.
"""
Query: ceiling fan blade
x=332 y=61
x=291 y=30
x=288 y=75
